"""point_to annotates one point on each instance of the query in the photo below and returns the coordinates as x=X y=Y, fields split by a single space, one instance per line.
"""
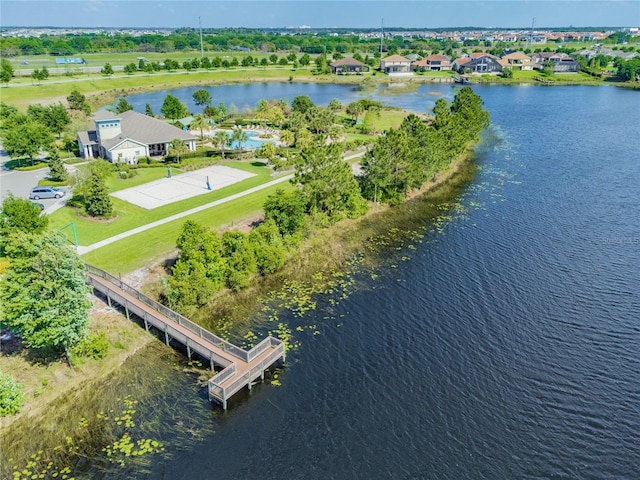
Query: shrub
x=11 y=396
x=94 y=345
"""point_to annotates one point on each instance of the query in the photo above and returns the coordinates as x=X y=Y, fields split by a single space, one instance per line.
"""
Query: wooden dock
x=240 y=367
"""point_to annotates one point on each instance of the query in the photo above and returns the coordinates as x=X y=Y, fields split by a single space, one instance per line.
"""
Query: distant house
x=396 y=65
x=459 y=63
x=517 y=61
x=432 y=63
x=348 y=65
x=562 y=63
x=129 y=136
x=484 y=64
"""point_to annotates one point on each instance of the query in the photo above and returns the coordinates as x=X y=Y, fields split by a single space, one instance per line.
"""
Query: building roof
x=463 y=60
x=144 y=129
x=436 y=57
x=396 y=58
x=88 y=138
x=475 y=55
x=347 y=61
x=516 y=56
x=102 y=115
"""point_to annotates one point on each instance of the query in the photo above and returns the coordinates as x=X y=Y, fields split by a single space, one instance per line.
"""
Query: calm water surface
x=503 y=345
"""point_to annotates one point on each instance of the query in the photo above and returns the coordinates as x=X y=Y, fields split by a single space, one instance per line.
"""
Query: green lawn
x=144 y=175
x=129 y=216
x=389 y=119
x=153 y=245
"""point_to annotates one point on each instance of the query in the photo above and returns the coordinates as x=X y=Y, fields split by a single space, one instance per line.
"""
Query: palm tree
x=177 y=148
x=239 y=136
x=200 y=123
x=221 y=139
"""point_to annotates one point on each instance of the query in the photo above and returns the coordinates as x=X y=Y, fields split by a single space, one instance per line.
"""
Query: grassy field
x=130 y=216
x=153 y=245
x=121 y=59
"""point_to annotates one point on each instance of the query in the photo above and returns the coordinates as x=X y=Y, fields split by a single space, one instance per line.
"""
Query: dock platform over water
x=240 y=367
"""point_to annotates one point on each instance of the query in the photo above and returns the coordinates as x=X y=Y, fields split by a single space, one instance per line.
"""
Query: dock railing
x=176 y=317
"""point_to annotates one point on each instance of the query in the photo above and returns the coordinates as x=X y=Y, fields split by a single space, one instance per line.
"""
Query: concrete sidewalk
x=107 y=241
x=82 y=250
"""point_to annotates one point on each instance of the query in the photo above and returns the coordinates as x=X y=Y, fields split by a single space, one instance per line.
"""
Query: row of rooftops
x=505 y=59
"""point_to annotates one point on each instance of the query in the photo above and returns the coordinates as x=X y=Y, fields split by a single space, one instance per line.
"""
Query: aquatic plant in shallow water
x=121 y=425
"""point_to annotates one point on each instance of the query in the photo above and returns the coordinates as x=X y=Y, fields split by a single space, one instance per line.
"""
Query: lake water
x=502 y=342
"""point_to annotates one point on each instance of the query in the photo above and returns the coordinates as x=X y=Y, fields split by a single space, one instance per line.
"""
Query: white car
x=46 y=192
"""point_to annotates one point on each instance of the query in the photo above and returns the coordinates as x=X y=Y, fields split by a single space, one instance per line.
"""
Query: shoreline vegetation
x=101 y=90
x=47 y=382
x=328 y=252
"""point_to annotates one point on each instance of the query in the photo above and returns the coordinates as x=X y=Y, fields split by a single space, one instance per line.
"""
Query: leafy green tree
x=8 y=113
x=327 y=183
x=6 y=71
x=11 y=396
x=54 y=117
x=221 y=139
x=44 y=294
x=239 y=135
x=122 y=105
x=131 y=68
x=173 y=108
x=322 y=66
x=202 y=97
x=177 y=147
x=286 y=208
x=270 y=251
x=302 y=103
x=199 y=123
x=148 y=111
x=305 y=59
x=20 y=215
x=40 y=74
x=240 y=257
x=98 y=202
x=287 y=137
x=273 y=58
x=57 y=170
x=507 y=72
x=57 y=118
x=383 y=168
x=355 y=109
x=200 y=270
x=267 y=150
x=107 y=69
x=77 y=101
x=334 y=105
x=27 y=140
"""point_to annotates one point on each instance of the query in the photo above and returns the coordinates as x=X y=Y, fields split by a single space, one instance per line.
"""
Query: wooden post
x=262 y=370
x=146 y=324
x=188 y=348
x=166 y=335
x=108 y=298
x=211 y=361
x=126 y=308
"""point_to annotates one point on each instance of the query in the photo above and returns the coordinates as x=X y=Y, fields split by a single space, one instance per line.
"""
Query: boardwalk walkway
x=240 y=367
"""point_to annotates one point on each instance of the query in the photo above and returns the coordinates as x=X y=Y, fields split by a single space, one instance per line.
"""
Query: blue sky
x=326 y=13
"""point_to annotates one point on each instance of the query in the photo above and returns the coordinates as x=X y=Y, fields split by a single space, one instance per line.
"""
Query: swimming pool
x=252 y=142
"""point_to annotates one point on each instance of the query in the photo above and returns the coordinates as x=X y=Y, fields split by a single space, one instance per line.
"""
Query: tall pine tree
x=98 y=202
